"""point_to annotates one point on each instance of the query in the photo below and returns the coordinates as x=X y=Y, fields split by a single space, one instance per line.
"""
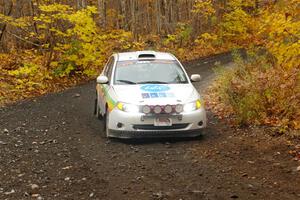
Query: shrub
x=259 y=92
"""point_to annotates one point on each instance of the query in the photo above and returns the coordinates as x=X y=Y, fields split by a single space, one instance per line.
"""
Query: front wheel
x=106 y=124
x=97 y=110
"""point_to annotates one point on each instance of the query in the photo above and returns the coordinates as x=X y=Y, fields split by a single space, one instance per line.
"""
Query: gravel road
x=51 y=148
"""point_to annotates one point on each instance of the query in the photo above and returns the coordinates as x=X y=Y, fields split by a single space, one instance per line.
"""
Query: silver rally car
x=148 y=94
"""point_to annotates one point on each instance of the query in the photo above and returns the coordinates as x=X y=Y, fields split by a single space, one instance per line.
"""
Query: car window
x=109 y=67
x=143 y=72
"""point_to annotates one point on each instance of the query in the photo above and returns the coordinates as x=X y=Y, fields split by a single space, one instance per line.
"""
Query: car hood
x=152 y=94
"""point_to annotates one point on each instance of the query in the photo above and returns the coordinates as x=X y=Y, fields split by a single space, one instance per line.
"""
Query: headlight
x=128 y=107
x=195 y=105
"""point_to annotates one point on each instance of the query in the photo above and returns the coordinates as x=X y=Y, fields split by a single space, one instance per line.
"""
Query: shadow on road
x=142 y=141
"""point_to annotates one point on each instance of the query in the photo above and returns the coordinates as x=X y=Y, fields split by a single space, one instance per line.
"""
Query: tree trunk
x=158 y=17
x=102 y=13
x=3 y=29
x=123 y=13
x=132 y=10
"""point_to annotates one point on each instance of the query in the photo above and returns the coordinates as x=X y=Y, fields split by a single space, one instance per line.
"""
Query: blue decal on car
x=154 y=95
x=162 y=95
x=145 y=95
x=157 y=95
x=155 y=88
x=170 y=95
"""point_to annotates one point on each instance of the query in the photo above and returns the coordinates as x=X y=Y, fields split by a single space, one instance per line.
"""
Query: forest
x=50 y=45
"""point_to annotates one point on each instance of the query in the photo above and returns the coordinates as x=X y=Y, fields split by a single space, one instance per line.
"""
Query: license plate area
x=162 y=121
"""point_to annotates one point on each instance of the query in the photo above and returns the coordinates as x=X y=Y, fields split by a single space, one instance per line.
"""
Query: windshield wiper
x=127 y=81
x=152 y=82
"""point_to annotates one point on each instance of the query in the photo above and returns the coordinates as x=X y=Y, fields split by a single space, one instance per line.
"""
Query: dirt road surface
x=51 y=148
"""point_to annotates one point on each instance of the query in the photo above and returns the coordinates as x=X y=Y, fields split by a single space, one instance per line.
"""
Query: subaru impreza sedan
x=148 y=94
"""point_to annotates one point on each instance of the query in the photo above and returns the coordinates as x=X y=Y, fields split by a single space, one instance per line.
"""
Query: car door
x=104 y=89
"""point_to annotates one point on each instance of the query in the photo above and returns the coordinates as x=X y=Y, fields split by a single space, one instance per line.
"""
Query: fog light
x=200 y=123
x=146 y=109
x=179 y=108
x=168 y=109
x=157 y=109
x=119 y=125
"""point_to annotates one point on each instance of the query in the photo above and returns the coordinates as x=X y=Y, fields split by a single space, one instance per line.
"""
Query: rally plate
x=162 y=121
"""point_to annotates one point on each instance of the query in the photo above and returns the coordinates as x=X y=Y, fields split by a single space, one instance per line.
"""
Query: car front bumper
x=154 y=134
x=138 y=125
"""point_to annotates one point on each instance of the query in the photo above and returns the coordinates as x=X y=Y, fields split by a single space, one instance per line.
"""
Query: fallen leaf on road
x=68 y=167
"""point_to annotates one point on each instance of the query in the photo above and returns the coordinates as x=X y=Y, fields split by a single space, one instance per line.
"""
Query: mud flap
x=95 y=106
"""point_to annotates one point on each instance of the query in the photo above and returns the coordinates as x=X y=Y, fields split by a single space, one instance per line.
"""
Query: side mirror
x=102 y=80
x=195 y=78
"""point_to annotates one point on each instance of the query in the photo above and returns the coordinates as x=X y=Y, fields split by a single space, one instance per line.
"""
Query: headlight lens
x=195 y=105
x=128 y=107
x=131 y=108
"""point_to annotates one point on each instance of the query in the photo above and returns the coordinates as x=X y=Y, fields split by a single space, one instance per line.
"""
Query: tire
x=97 y=110
x=106 y=128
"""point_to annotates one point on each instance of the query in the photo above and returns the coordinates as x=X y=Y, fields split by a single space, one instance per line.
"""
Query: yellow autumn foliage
x=81 y=46
x=65 y=44
x=204 y=7
x=265 y=89
x=279 y=27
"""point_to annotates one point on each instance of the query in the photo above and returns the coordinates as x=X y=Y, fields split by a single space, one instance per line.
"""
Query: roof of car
x=138 y=54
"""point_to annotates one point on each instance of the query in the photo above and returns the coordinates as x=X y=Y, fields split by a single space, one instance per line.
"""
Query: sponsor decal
x=145 y=95
x=157 y=95
x=162 y=95
x=155 y=88
x=154 y=95
x=170 y=95
x=109 y=100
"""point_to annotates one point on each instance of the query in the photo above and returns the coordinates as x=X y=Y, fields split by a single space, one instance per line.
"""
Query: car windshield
x=147 y=72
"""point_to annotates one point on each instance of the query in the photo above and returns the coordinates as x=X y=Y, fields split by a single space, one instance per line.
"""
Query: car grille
x=152 y=127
